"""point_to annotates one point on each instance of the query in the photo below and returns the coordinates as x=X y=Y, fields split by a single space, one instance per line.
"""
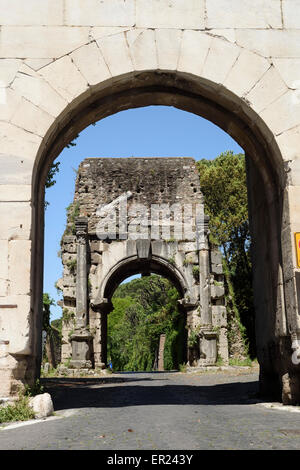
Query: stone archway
x=236 y=78
x=139 y=215
x=266 y=180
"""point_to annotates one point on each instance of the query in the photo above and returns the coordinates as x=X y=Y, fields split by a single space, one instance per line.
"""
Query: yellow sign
x=297 y=240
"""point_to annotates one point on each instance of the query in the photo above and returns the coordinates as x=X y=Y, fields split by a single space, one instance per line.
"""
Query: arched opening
x=153 y=325
x=265 y=179
x=133 y=265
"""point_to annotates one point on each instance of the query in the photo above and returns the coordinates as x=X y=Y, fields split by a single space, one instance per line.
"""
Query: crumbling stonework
x=193 y=266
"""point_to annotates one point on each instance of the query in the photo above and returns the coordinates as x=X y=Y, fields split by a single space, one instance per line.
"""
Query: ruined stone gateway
x=144 y=244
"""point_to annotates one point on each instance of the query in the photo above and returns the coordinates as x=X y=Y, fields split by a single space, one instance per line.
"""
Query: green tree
x=47 y=303
x=144 y=309
x=53 y=334
x=223 y=184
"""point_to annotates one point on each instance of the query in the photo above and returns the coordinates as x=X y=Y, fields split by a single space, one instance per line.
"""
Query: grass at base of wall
x=241 y=362
x=18 y=411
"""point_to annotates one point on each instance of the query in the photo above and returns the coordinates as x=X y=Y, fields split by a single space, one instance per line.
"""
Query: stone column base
x=208 y=347
x=100 y=365
x=81 y=341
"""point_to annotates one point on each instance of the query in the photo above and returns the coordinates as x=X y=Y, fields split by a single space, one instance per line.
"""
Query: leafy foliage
x=57 y=324
x=47 y=303
x=73 y=211
x=144 y=309
x=19 y=411
x=223 y=184
x=54 y=169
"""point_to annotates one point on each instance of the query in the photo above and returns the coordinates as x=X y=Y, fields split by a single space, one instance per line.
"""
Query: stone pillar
x=81 y=339
x=100 y=341
x=101 y=311
x=161 y=350
x=207 y=337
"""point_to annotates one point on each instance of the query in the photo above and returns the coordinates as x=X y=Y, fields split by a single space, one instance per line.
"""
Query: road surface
x=158 y=411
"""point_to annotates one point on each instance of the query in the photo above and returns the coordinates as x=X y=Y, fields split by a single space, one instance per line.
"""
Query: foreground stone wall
x=149 y=181
x=67 y=63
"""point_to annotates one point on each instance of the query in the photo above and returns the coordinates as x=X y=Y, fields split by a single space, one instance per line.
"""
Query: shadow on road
x=115 y=392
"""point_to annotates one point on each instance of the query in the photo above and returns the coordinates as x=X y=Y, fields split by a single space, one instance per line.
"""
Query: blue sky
x=154 y=131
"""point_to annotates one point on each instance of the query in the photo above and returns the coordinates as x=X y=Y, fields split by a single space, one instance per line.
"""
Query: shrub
x=18 y=411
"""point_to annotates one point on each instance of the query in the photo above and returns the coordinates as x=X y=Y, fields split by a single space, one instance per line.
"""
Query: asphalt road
x=158 y=411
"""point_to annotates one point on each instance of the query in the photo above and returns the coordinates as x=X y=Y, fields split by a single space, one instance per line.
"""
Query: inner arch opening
x=146 y=328
x=155 y=265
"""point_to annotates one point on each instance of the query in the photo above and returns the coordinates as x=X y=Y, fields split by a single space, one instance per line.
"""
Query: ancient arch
x=135 y=265
x=91 y=60
x=139 y=215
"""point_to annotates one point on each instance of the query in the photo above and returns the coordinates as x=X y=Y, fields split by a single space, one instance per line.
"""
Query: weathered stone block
x=42 y=405
x=10 y=104
x=187 y=246
x=37 y=64
x=291 y=14
x=67 y=281
x=228 y=34
x=30 y=85
x=192 y=258
x=91 y=64
x=283 y=114
x=270 y=43
x=4 y=259
x=217 y=268
x=116 y=53
x=15 y=192
x=140 y=40
x=170 y=14
x=223 y=345
x=14 y=170
x=294 y=204
x=219 y=315
x=219 y=51
x=251 y=67
x=95 y=245
x=4 y=285
x=69 y=292
x=104 y=13
x=98 y=32
x=194 y=50
x=15 y=324
x=17 y=217
x=69 y=238
x=216 y=257
x=16 y=142
x=19 y=266
x=157 y=247
x=68 y=258
x=32 y=12
x=70 y=247
x=54 y=41
x=32 y=118
x=288 y=69
x=8 y=70
x=245 y=14
x=64 y=77
x=217 y=291
x=267 y=89
x=289 y=143
x=168 y=44
x=96 y=258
